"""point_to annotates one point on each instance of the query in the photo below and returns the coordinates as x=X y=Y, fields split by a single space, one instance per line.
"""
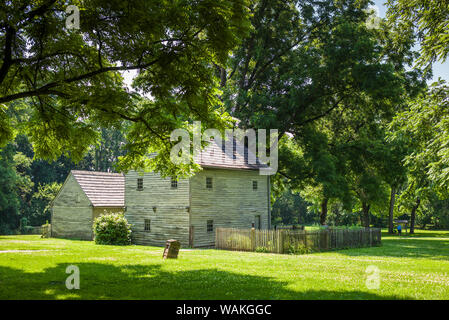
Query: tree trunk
x=413 y=216
x=390 y=214
x=222 y=77
x=323 y=214
x=337 y=216
x=365 y=215
x=96 y=158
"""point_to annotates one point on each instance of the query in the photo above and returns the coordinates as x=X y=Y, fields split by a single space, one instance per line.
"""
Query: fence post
x=253 y=239
x=323 y=237
x=281 y=241
x=278 y=240
x=305 y=238
x=360 y=237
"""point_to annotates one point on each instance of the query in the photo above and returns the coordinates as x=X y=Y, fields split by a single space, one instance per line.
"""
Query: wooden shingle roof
x=106 y=189
x=103 y=189
x=230 y=155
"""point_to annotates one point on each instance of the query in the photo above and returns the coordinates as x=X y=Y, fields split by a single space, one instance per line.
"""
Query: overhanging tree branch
x=44 y=90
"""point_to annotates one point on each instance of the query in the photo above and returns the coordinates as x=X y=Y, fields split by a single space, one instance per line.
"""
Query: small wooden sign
x=171 y=249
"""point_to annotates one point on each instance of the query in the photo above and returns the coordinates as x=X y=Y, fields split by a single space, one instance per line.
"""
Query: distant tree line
x=28 y=185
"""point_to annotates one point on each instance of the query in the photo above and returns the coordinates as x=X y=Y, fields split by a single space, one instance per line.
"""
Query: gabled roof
x=108 y=189
x=231 y=156
x=103 y=189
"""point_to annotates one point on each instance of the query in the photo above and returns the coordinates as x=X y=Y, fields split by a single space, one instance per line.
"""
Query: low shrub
x=298 y=249
x=262 y=249
x=5 y=229
x=112 y=228
x=24 y=227
x=27 y=230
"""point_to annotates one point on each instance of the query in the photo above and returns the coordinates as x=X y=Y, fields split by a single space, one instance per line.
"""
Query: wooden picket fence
x=34 y=230
x=44 y=229
x=288 y=241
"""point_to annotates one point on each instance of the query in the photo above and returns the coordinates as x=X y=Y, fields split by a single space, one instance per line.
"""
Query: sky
x=439 y=69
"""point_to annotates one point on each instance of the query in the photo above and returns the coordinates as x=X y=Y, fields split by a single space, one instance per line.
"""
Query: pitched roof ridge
x=217 y=155
x=98 y=173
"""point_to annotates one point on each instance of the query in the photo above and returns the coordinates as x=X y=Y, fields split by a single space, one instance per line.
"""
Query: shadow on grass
x=420 y=234
x=103 y=281
x=419 y=245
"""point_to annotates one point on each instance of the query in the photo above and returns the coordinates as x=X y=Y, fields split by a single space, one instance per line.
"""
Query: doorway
x=257 y=222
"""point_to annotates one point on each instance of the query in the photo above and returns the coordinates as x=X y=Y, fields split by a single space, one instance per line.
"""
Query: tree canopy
x=330 y=79
x=358 y=125
x=70 y=81
x=427 y=19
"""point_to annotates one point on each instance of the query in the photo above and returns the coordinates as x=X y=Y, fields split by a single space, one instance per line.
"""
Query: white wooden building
x=228 y=192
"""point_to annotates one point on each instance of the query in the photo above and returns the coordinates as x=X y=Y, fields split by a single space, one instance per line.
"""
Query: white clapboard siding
x=84 y=196
x=231 y=203
x=169 y=220
x=175 y=213
x=72 y=212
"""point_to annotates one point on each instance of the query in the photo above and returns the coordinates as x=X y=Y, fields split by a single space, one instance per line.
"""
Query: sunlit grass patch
x=410 y=267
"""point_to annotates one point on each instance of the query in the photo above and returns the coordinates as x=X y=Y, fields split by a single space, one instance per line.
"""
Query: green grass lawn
x=410 y=268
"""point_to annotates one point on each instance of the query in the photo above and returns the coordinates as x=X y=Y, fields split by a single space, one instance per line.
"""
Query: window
x=174 y=183
x=254 y=185
x=139 y=183
x=209 y=183
x=147 y=226
x=210 y=225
